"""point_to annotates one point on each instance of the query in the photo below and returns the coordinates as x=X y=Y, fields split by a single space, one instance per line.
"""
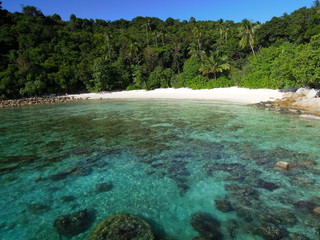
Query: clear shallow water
x=166 y=160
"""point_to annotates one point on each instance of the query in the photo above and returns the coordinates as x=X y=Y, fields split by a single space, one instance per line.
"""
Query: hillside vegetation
x=43 y=54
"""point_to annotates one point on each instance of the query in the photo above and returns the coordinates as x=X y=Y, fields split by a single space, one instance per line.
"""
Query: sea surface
x=162 y=160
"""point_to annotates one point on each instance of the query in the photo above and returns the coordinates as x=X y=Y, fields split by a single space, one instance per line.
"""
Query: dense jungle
x=41 y=55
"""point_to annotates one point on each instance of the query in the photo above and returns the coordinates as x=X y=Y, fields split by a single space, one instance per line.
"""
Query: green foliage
x=103 y=75
x=139 y=78
x=201 y=82
x=190 y=71
x=160 y=78
x=43 y=54
x=286 y=66
x=32 y=88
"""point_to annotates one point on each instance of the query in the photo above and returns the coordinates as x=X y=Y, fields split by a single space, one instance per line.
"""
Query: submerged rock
x=298 y=236
x=242 y=190
x=72 y=224
x=270 y=186
x=38 y=208
x=223 y=205
x=68 y=198
x=64 y=174
x=232 y=227
x=271 y=232
x=301 y=181
x=103 y=187
x=72 y=171
x=183 y=187
x=122 y=227
x=207 y=226
x=304 y=204
x=83 y=171
x=277 y=216
x=233 y=168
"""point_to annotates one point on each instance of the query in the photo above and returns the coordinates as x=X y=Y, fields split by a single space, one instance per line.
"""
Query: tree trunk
x=162 y=39
x=254 y=54
x=155 y=34
x=147 y=35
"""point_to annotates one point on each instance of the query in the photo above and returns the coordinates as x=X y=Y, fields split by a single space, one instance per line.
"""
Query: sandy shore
x=232 y=94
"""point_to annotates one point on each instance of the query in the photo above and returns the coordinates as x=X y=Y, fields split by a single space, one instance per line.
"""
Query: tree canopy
x=43 y=54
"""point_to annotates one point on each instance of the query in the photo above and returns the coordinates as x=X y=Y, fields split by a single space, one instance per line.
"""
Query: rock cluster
x=302 y=101
x=32 y=101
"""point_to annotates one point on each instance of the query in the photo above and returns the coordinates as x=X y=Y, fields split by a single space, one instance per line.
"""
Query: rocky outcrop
x=304 y=101
x=33 y=101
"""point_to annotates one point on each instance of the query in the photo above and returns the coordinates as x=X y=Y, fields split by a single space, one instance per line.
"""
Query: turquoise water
x=165 y=160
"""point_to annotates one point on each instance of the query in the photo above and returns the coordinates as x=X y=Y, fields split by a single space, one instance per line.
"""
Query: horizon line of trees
x=43 y=54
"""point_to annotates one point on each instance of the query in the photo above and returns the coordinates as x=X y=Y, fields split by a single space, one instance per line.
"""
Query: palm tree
x=194 y=50
x=160 y=35
x=213 y=64
x=224 y=29
x=247 y=33
x=133 y=52
x=147 y=26
x=197 y=34
x=107 y=41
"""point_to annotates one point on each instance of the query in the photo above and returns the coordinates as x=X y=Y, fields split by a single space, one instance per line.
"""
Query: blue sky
x=235 y=10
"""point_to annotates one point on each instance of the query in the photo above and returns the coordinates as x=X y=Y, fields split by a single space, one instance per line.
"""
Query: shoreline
x=231 y=94
x=303 y=102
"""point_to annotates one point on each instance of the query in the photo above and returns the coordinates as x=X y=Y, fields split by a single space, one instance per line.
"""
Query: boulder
x=122 y=227
x=283 y=165
x=312 y=93
x=317 y=210
x=303 y=91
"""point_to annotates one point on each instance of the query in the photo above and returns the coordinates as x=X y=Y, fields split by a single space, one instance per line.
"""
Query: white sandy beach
x=231 y=94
